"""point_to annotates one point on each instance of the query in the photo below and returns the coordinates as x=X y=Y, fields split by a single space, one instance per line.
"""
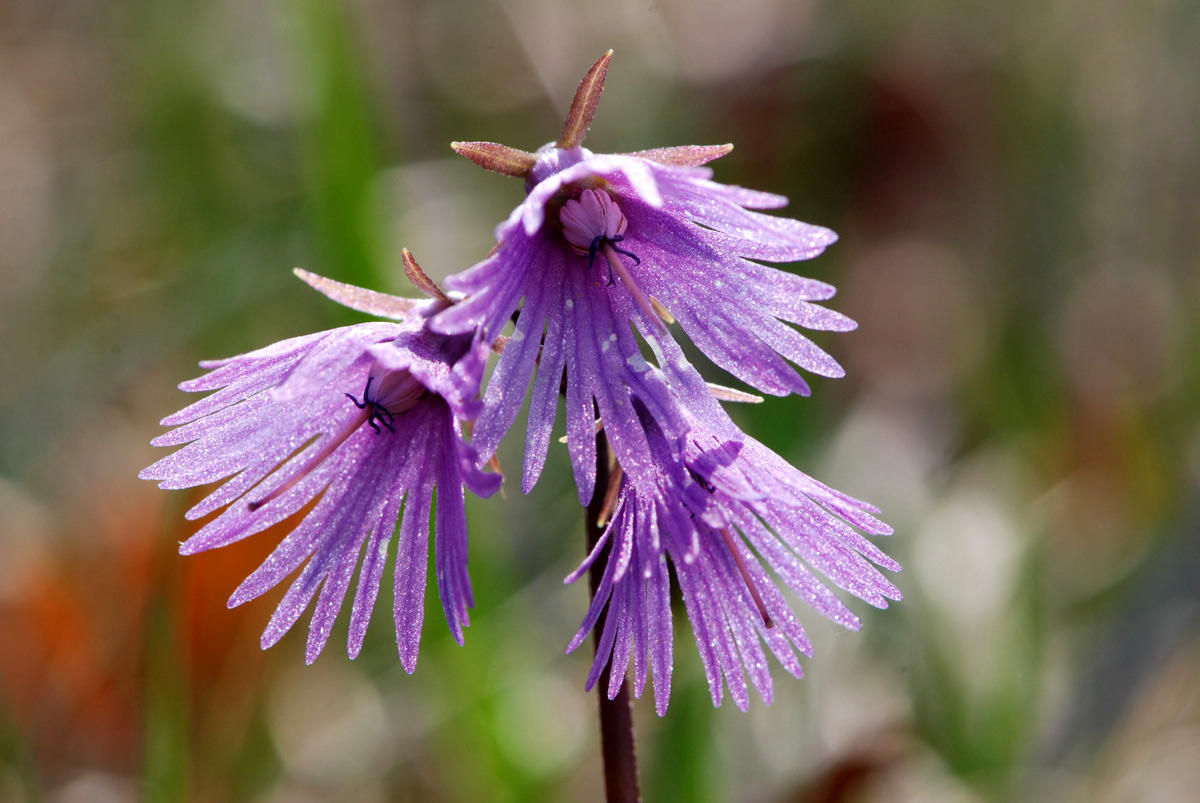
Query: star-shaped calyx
x=514 y=162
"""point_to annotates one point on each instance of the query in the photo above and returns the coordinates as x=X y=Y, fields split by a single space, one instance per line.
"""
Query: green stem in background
x=168 y=693
x=17 y=757
x=339 y=139
x=618 y=745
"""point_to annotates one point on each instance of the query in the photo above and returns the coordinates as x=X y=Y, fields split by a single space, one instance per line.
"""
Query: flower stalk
x=618 y=743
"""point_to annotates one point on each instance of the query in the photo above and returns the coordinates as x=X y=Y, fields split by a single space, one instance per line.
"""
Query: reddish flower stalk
x=618 y=743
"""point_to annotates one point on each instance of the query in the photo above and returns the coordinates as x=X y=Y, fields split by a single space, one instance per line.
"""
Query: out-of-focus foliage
x=1017 y=188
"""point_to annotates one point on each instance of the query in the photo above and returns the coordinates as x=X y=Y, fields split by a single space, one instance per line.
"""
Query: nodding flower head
x=396 y=392
x=678 y=247
x=287 y=430
x=737 y=524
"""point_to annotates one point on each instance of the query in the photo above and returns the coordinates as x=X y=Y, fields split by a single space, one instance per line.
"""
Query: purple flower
x=363 y=421
x=724 y=505
x=603 y=240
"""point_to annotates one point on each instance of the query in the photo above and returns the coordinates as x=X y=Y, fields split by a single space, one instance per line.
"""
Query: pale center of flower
x=387 y=395
x=591 y=218
x=593 y=224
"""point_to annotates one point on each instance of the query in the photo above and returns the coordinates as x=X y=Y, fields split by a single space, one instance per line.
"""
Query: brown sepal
x=684 y=155
x=583 y=107
x=420 y=280
x=496 y=157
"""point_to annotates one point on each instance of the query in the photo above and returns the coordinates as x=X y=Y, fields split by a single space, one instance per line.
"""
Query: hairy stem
x=618 y=746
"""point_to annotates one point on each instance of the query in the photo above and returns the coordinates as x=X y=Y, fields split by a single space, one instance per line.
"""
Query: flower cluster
x=605 y=256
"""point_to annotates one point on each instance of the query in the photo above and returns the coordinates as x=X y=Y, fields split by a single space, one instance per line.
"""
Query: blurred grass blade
x=339 y=143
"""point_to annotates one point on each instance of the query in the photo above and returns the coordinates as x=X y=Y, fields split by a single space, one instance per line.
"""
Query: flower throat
x=396 y=393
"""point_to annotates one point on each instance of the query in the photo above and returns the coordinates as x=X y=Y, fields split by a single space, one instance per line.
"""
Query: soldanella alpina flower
x=647 y=237
x=723 y=506
x=344 y=433
x=365 y=421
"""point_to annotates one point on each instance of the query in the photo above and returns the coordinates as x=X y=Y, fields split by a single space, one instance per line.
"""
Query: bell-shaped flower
x=340 y=434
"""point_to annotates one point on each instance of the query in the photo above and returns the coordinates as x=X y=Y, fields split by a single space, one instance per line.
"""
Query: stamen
x=593 y=223
x=318 y=458
x=662 y=311
x=372 y=412
x=593 y=214
x=397 y=393
x=366 y=395
x=703 y=483
x=610 y=497
x=615 y=263
x=745 y=572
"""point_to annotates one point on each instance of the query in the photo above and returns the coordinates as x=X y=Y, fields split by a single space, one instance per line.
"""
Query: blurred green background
x=1017 y=189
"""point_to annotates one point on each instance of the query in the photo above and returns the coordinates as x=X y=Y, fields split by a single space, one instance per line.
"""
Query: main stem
x=618 y=746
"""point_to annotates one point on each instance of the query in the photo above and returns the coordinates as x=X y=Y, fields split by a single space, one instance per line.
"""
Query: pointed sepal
x=371 y=302
x=496 y=157
x=684 y=155
x=583 y=107
x=420 y=280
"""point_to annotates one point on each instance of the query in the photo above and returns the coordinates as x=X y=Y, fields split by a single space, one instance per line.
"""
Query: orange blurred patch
x=82 y=620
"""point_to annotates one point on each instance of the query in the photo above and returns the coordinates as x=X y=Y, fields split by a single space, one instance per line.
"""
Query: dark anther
x=619 y=250
x=600 y=240
x=703 y=483
x=366 y=396
x=378 y=412
x=593 y=248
